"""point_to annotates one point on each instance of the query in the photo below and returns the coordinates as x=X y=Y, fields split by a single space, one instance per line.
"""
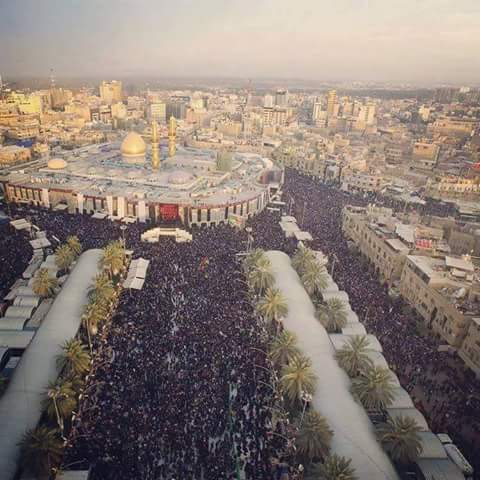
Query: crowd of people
x=180 y=387
x=15 y=253
x=448 y=395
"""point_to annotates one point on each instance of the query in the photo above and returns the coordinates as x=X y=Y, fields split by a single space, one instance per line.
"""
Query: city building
x=331 y=103
x=111 y=92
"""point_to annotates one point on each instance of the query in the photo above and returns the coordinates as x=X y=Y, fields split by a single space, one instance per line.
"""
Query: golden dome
x=133 y=145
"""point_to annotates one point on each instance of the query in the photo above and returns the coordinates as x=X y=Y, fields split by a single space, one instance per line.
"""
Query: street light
x=307 y=398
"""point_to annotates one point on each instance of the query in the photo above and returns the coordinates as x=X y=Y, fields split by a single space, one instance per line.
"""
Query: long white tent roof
x=354 y=436
x=20 y=406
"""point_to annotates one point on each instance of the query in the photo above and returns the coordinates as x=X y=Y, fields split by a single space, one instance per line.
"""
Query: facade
x=331 y=102
x=158 y=112
x=111 y=92
x=442 y=289
x=13 y=154
x=187 y=187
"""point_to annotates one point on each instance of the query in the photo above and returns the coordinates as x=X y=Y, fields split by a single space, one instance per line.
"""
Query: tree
x=103 y=290
x=64 y=257
x=283 y=348
x=302 y=258
x=333 y=315
x=40 y=450
x=43 y=284
x=374 y=388
x=253 y=257
x=334 y=467
x=272 y=305
x=353 y=356
x=297 y=378
x=74 y=358
x=74 y=243
x=314 y=437
x=113 y=258
x=314 y=278
x=260 y=277
x=401 y=440
x=60 y=401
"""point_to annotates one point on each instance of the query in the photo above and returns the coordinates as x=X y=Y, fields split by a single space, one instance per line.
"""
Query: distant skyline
x=418 y=41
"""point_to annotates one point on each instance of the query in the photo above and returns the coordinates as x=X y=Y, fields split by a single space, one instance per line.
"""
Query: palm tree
x=302 y=258
x=40 y=450
x=272 y=305
x=283 y=348
x=400 y=439
x=103 y=289
x=314 y=278
x=298 y=378
x=353 y=356
x=74 y=358
x=60 y=401
x=43 y=284
x=64 y=257
x=314 y=437
x=253 y=257
x=74 y=243
x=334 y=467
x=113 y=258
x=374 y=388
x=333 y=315
x=261 y=277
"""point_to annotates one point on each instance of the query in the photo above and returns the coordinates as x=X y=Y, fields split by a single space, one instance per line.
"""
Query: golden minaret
x=155 y=157
x=172 y=135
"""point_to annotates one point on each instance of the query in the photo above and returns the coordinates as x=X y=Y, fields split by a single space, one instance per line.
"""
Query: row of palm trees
x=373 y=386
x=42 y=447
x=297 y=381
x=44 y=285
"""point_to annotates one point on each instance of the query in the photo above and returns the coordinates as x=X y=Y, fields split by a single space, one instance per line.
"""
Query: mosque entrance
x=168 y=213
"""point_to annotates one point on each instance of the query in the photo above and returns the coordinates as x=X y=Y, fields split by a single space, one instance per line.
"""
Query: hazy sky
x=393 y=40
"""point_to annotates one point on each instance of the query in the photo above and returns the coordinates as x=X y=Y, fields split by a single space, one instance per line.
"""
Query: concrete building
x=331 y=102
x=13 y=154
x=157 y=111
x=111 y=92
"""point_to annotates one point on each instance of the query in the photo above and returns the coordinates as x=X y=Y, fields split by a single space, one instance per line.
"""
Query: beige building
x=13 y=154
x=425 y=155
x=111 y=92
x=450 y=126
x=469 y=352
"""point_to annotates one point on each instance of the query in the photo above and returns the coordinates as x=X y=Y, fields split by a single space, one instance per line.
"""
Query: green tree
x=74 y=243
x=103 y=290
x=283 y=348
x=401 y=440
x=333 y=315
x=314 y=278
x=60 y=401
x=272 y=305
x=113 y=258
x=303 y=257
x=261 y=277
x=353 y=356
x=40 y=450
x=374 y=388
x=43 y=284
x=64 y=257
x=314 y=437
x=297 y=377
x=74 y=358
x=253 y=257
x=334 y=467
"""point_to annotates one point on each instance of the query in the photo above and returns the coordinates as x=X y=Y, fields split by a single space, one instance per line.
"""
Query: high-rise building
x=111 y=92
x=157 y=111
x=317 y=108
x=331 y=101
x=177 y=107
x=281 y=98
x=268 y=101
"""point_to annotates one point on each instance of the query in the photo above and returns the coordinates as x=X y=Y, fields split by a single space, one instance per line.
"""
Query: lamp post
x=307 y=398
x=335 y=258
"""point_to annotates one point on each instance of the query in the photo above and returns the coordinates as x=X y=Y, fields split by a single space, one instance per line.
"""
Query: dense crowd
x=15 y=253
x=447 y=394
x=180 y=386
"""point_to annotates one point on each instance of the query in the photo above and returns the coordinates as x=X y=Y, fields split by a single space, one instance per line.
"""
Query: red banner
x=169 y=212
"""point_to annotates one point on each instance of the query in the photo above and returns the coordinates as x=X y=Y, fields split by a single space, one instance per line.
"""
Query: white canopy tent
x=20 y=406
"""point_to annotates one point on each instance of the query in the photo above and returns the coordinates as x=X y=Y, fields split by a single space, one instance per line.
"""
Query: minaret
x=172 y=134
x=155 y=157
